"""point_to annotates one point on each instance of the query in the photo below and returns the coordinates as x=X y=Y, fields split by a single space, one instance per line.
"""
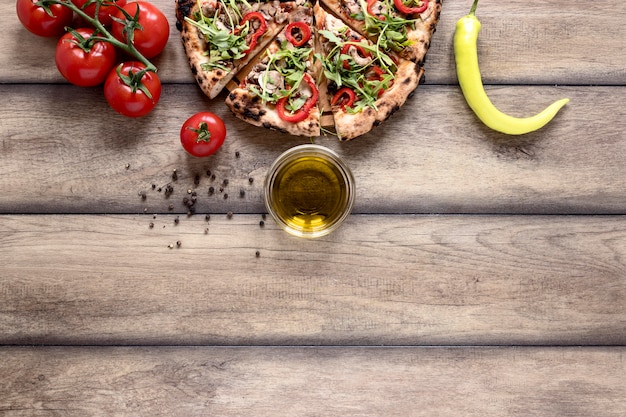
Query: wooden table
x=479 y=275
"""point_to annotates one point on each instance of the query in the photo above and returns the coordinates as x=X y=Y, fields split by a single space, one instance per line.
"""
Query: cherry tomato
x=84 y=69
x=107 y=9
x=155 y=32
x=132 y=100
x=37 y=20
x=203 y=134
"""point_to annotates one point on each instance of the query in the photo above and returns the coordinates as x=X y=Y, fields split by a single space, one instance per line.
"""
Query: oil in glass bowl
x=309 y=191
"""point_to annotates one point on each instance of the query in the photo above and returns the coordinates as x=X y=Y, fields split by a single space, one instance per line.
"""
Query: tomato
x=137 y=99
x=84 y=69
x=155 y=29
x=37 y=20
x=203 y=134
x=107 y=9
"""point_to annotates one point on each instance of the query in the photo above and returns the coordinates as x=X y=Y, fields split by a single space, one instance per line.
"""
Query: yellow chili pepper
x=468 y=73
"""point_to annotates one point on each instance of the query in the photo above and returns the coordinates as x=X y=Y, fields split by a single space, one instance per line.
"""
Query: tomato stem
x=106 y=36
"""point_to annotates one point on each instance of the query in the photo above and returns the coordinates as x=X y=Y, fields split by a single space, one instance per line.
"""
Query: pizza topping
x=386 y=23
x=376 y=8
x=279 y=72
x=298 y=33
x=359 y=55
x=296 y=107
x=406 y=9
x=260 y=28
x=344 y=97
x=368 y=76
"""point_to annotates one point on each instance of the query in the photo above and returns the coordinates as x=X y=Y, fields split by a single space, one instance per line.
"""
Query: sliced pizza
x=365 y=84
x=221 y=36
x=402 y=26
x=279 y=91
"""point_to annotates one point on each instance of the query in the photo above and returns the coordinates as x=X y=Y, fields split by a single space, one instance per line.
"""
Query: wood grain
x=518 y=44
x=418 y=280
x=449 y=164
x=463 y=382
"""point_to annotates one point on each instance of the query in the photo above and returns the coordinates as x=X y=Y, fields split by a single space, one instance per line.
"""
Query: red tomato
x=84 y=69
x=203 y=134
x=152 y=38
x=107 y=9
x=132 y=100
x=38 y=21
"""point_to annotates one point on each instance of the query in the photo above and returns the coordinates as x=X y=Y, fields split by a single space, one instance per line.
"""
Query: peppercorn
x=174 y=175
x=229 y=214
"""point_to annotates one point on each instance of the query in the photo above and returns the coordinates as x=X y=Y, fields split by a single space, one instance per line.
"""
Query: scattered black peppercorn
x=176 y=220
x=225 y=196
x=211 y=190
x=170 y=207
x=127 y=166
x=151 y=225
x=142 y=194
x=169 y=190
x=207 y=217
x=229 y=214
x=174 y=175
x=178 y=243
x=242 y=192
x=225 y=182
x=261 y=223
x=208 y=172
x=237 y=154
x=213 y=177
x=250 y=180
x=257 y=254
x=153 y=186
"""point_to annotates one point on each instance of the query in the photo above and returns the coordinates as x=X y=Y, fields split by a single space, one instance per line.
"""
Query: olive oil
x=309 y=191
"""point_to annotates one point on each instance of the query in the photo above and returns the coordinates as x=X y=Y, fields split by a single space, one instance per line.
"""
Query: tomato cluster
x=88 y=56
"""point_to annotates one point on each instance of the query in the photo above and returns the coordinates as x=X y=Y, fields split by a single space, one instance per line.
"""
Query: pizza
x=309 y=67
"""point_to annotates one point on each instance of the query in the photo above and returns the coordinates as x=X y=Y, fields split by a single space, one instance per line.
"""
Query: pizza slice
x=366 y=85
x=222 y=36
x=402 y=26
x=279 y=91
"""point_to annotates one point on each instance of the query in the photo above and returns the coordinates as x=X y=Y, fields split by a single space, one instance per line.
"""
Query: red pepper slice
x=344 y=97
x=370 y=10
x=305 y=33
x=410 y=10
x=378 y=74
x=361 y=51
x=249 y=17
x=303 y=112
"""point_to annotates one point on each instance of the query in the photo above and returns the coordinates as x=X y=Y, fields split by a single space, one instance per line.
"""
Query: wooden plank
x=450 y=164
x=420 y=280
x=463 y=382
x=518 y=44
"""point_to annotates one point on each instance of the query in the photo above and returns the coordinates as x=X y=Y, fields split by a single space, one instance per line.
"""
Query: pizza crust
x=250 y=108
x=349 y=126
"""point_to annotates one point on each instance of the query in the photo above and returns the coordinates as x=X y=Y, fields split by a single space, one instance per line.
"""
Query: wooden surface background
x=480 y=274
